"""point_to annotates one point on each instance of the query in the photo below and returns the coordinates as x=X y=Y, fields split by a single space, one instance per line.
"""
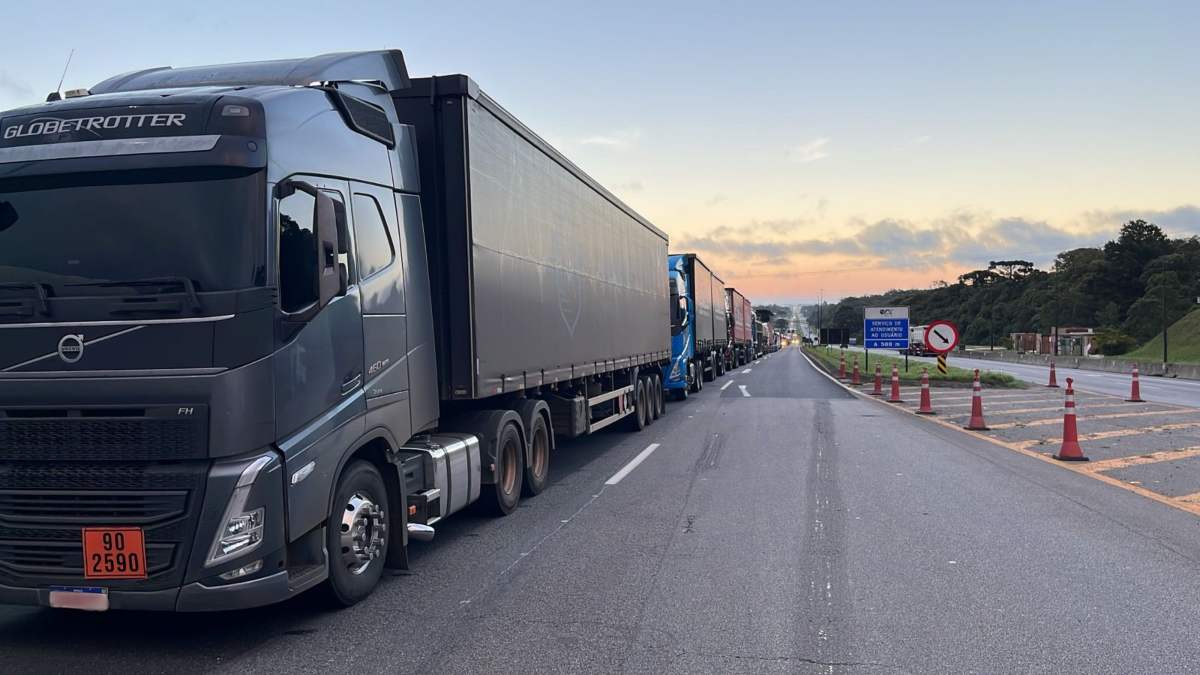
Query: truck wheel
x=537 y=470
x=720 y=366
x=681 y=394
x=637 y=421
x=709 y=373
x=657 y=397
x=502 y=499
x=694 y=377
x=356 y=534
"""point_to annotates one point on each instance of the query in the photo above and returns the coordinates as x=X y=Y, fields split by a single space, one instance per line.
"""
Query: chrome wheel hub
x=363 y=532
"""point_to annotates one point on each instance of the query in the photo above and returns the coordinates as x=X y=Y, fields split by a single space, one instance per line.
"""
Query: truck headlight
x=241 y=529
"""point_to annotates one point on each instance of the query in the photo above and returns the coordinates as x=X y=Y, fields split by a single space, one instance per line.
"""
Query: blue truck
x=699 y=337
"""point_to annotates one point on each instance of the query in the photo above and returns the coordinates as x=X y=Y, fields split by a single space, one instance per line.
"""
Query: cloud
x=959 y=238
x=810 y=151
x=617 y=140
x=1180 y=221
x=920 y=140
x=10 y=86
x=629 y=186
x=715 y=199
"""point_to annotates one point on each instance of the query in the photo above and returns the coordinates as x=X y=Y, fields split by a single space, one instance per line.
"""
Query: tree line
x=1122 y=289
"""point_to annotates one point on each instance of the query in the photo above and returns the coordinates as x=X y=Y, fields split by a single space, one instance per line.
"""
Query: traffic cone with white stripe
x=926 y=401
x=1135 y=392
x=1070 y=450
x=895 y=397
x=842 y=367
x=854 y=377
x=977 y=423
x=1053 y=384
x=878 y=382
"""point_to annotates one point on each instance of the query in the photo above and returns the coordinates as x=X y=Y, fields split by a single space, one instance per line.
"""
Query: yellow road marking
x=1083 y=418
x=1189 y=503
x=1138 y=460
x=1118 y=433
x=1057 y=404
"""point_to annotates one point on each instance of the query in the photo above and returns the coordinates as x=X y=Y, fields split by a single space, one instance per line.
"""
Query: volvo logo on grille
x=70 y=348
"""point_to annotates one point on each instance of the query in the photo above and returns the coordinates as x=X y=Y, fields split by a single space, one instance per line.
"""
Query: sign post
x=885 y=328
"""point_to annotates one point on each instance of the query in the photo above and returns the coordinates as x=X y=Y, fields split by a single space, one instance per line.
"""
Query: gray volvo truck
x=262 y=323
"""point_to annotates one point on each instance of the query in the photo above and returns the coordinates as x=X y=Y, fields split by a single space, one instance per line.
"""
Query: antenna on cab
x=56 y=95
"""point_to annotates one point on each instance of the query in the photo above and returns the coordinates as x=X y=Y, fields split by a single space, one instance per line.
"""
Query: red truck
x=741 y=330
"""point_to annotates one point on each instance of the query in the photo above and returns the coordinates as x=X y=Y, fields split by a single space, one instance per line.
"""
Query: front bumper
x=194 y=597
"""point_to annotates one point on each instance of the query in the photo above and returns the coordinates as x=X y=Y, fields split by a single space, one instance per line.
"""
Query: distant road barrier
x=1186 y=371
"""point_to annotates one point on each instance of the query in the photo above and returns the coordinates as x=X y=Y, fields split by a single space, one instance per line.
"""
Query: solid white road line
x=633 y=463
x=745 y=371
x=744 y=392
x=726 y=385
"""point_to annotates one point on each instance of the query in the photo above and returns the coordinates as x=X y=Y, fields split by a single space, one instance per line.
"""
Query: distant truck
x=916 y=341
x=699 y=336
x=261 y=324
x=741 y=330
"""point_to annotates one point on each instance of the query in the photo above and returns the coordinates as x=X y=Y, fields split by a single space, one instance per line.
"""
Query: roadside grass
x=829 y=356
x=1183 y=343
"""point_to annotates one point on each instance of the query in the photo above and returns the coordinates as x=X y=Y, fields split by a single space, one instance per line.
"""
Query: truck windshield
x=73 y=232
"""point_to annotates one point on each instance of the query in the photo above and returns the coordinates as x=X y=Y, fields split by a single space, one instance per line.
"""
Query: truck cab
x=213 y=308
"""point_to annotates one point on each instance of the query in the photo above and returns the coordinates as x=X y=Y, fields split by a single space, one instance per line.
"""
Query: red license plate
x=114 y=553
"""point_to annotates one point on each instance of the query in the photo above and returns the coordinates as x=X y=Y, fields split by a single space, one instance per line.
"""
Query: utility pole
x=820 y=301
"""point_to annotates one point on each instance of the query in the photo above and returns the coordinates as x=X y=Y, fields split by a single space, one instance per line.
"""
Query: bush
x=1113 y=342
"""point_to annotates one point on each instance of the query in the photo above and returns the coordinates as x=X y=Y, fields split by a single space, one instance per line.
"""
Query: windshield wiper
x=42 y=290
x=189 y=286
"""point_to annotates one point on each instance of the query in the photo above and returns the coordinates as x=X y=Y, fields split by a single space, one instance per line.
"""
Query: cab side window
x=373 y=242
x=298 y=280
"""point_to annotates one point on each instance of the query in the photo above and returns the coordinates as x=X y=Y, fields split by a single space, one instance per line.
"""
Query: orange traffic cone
x=926 y=402
x=854 y=378
x=878 y=382
x=895 y=397
x=842 y=367
x=1053 y=384
x=1135 y=392
x=977 y=423
x=1070 y=450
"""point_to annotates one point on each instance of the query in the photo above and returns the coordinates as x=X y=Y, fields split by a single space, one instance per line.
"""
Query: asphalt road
x=1156 y=389
x=786 y=527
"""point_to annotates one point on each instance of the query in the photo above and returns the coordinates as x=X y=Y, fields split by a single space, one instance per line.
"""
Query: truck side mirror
x=331 y=277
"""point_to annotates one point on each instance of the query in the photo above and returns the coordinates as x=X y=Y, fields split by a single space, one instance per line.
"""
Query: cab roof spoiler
x=385 y=66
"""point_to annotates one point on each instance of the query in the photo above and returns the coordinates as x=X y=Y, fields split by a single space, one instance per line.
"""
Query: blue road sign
x=885 y=328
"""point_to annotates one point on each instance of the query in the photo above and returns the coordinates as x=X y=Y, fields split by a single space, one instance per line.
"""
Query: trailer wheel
x=637 y=421
x=694 y=380
x=356 y=534
x=510 y=472
x=657 y=396
x=719 y=364
x=650 y=399
x=537 y=470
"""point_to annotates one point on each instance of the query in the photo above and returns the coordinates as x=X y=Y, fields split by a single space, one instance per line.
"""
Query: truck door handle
x=351 y=384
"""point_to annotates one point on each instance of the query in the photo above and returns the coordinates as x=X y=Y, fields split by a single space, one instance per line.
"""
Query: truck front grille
x=45 y=505
x=103 y=434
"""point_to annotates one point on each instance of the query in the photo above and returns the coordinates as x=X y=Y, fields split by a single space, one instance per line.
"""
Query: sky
x=801 y=148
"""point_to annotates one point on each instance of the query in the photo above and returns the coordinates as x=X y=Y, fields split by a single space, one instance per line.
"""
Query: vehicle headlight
x=241 y=529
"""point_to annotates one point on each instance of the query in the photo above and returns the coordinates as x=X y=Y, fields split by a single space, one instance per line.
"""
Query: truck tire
x=537 y=469
x=719 y=364
x=710 y=373
x=637 y=421
x=657 y=396
x=356 y=535
x=651 y=399
x=502 y=497
x=681 y=394
x=694 y=380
